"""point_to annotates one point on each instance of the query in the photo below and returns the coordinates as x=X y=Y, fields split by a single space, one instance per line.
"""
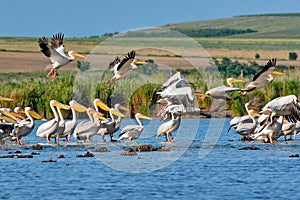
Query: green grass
x=268 y=26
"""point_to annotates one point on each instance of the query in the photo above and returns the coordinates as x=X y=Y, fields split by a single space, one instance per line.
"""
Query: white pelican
x=24 y=128
x=85 y=130
x=6 y=127
x=132 y=132
x=121 y=67
x=5 y=99
x=166 y=129
x=109 y=128
x=174 y=91
x=61 y=124
x=246 y=125
x=71 y=124
x=221 y=92
x=286 y=106
x=56 y=53
x=273 y=114
x=263 y=77
x=46 y=129
x=288 y=128
x=99 y=104
x=271 y=130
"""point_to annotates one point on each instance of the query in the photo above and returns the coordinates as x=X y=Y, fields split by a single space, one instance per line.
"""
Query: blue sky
x=95 y=17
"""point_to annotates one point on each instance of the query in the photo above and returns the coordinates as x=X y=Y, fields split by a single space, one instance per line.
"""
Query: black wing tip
x=271 y=63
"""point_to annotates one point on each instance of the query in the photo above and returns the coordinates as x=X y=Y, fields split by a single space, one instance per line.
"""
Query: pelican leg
x=48 y=139
x=69 y=138
x=295 y=135
x=50 y=72
x=103 y=138
x=54 y=74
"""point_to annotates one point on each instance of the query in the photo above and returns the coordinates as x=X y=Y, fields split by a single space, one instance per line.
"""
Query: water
x=225 y=172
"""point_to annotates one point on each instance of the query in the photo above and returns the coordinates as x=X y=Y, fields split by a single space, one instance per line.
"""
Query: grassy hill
x=247 y=26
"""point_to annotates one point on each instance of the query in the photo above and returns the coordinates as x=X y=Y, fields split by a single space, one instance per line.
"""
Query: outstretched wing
x=287 y=106
x=124 y=65
x=43 y=43
x=112 y=65
x=271 y=63
x=57 y=43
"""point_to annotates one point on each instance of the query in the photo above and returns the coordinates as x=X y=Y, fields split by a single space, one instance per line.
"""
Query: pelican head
x=5 y=99
x=8 y=113
x=278 y=73
x=59 y=105
x=100 y=104
x=98 y=115
x=33 y=113
x=141 y=116
x=230 y=81
x=116 y=113
x=120 y=107
x=75 y=54
x=78 y=107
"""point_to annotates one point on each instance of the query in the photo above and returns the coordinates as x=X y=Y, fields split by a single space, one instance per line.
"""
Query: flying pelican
x=263 y=77
x=221 y=92
x=167 y=128
x=174 y=90
x=25 y=127
x=56 y=53
x=246 y=125
x=121 y=67
x=85 y=130
x=46 y=129
x=109 y=128
x=71 y=124
x=132 y=132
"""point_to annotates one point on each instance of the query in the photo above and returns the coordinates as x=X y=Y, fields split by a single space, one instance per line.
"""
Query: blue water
x=224 y=173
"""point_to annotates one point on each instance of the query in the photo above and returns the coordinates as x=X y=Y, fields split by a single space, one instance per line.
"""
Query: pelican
x=85 y=130
x=263 y=77
x=121 y=67
x=24 y=128
x=178 y=92
x=221 y=92
x=61 y=124
x=286 y=106
x=246 y=125
x=5 y=99
x=99 y=104
x=273 y=114
x=6 y=127
x=288 y=128
x=166 y=129
x=46 y=129
x=56 y=53
x=113 y=126
x=271 y=130
x=71 y=124
x=132 y=132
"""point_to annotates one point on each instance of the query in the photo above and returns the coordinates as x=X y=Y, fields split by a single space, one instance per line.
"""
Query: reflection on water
x=225 y=172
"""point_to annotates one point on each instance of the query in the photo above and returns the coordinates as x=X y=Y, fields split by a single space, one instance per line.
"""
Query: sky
x=35 y=18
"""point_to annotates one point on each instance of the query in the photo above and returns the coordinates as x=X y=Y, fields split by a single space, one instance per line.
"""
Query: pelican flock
x=176 y=99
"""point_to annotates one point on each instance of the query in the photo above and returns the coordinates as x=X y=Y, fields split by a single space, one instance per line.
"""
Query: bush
x=293 y=56
x=257 y=56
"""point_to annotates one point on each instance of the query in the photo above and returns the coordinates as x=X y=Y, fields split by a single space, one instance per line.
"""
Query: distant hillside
x=282 y=25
